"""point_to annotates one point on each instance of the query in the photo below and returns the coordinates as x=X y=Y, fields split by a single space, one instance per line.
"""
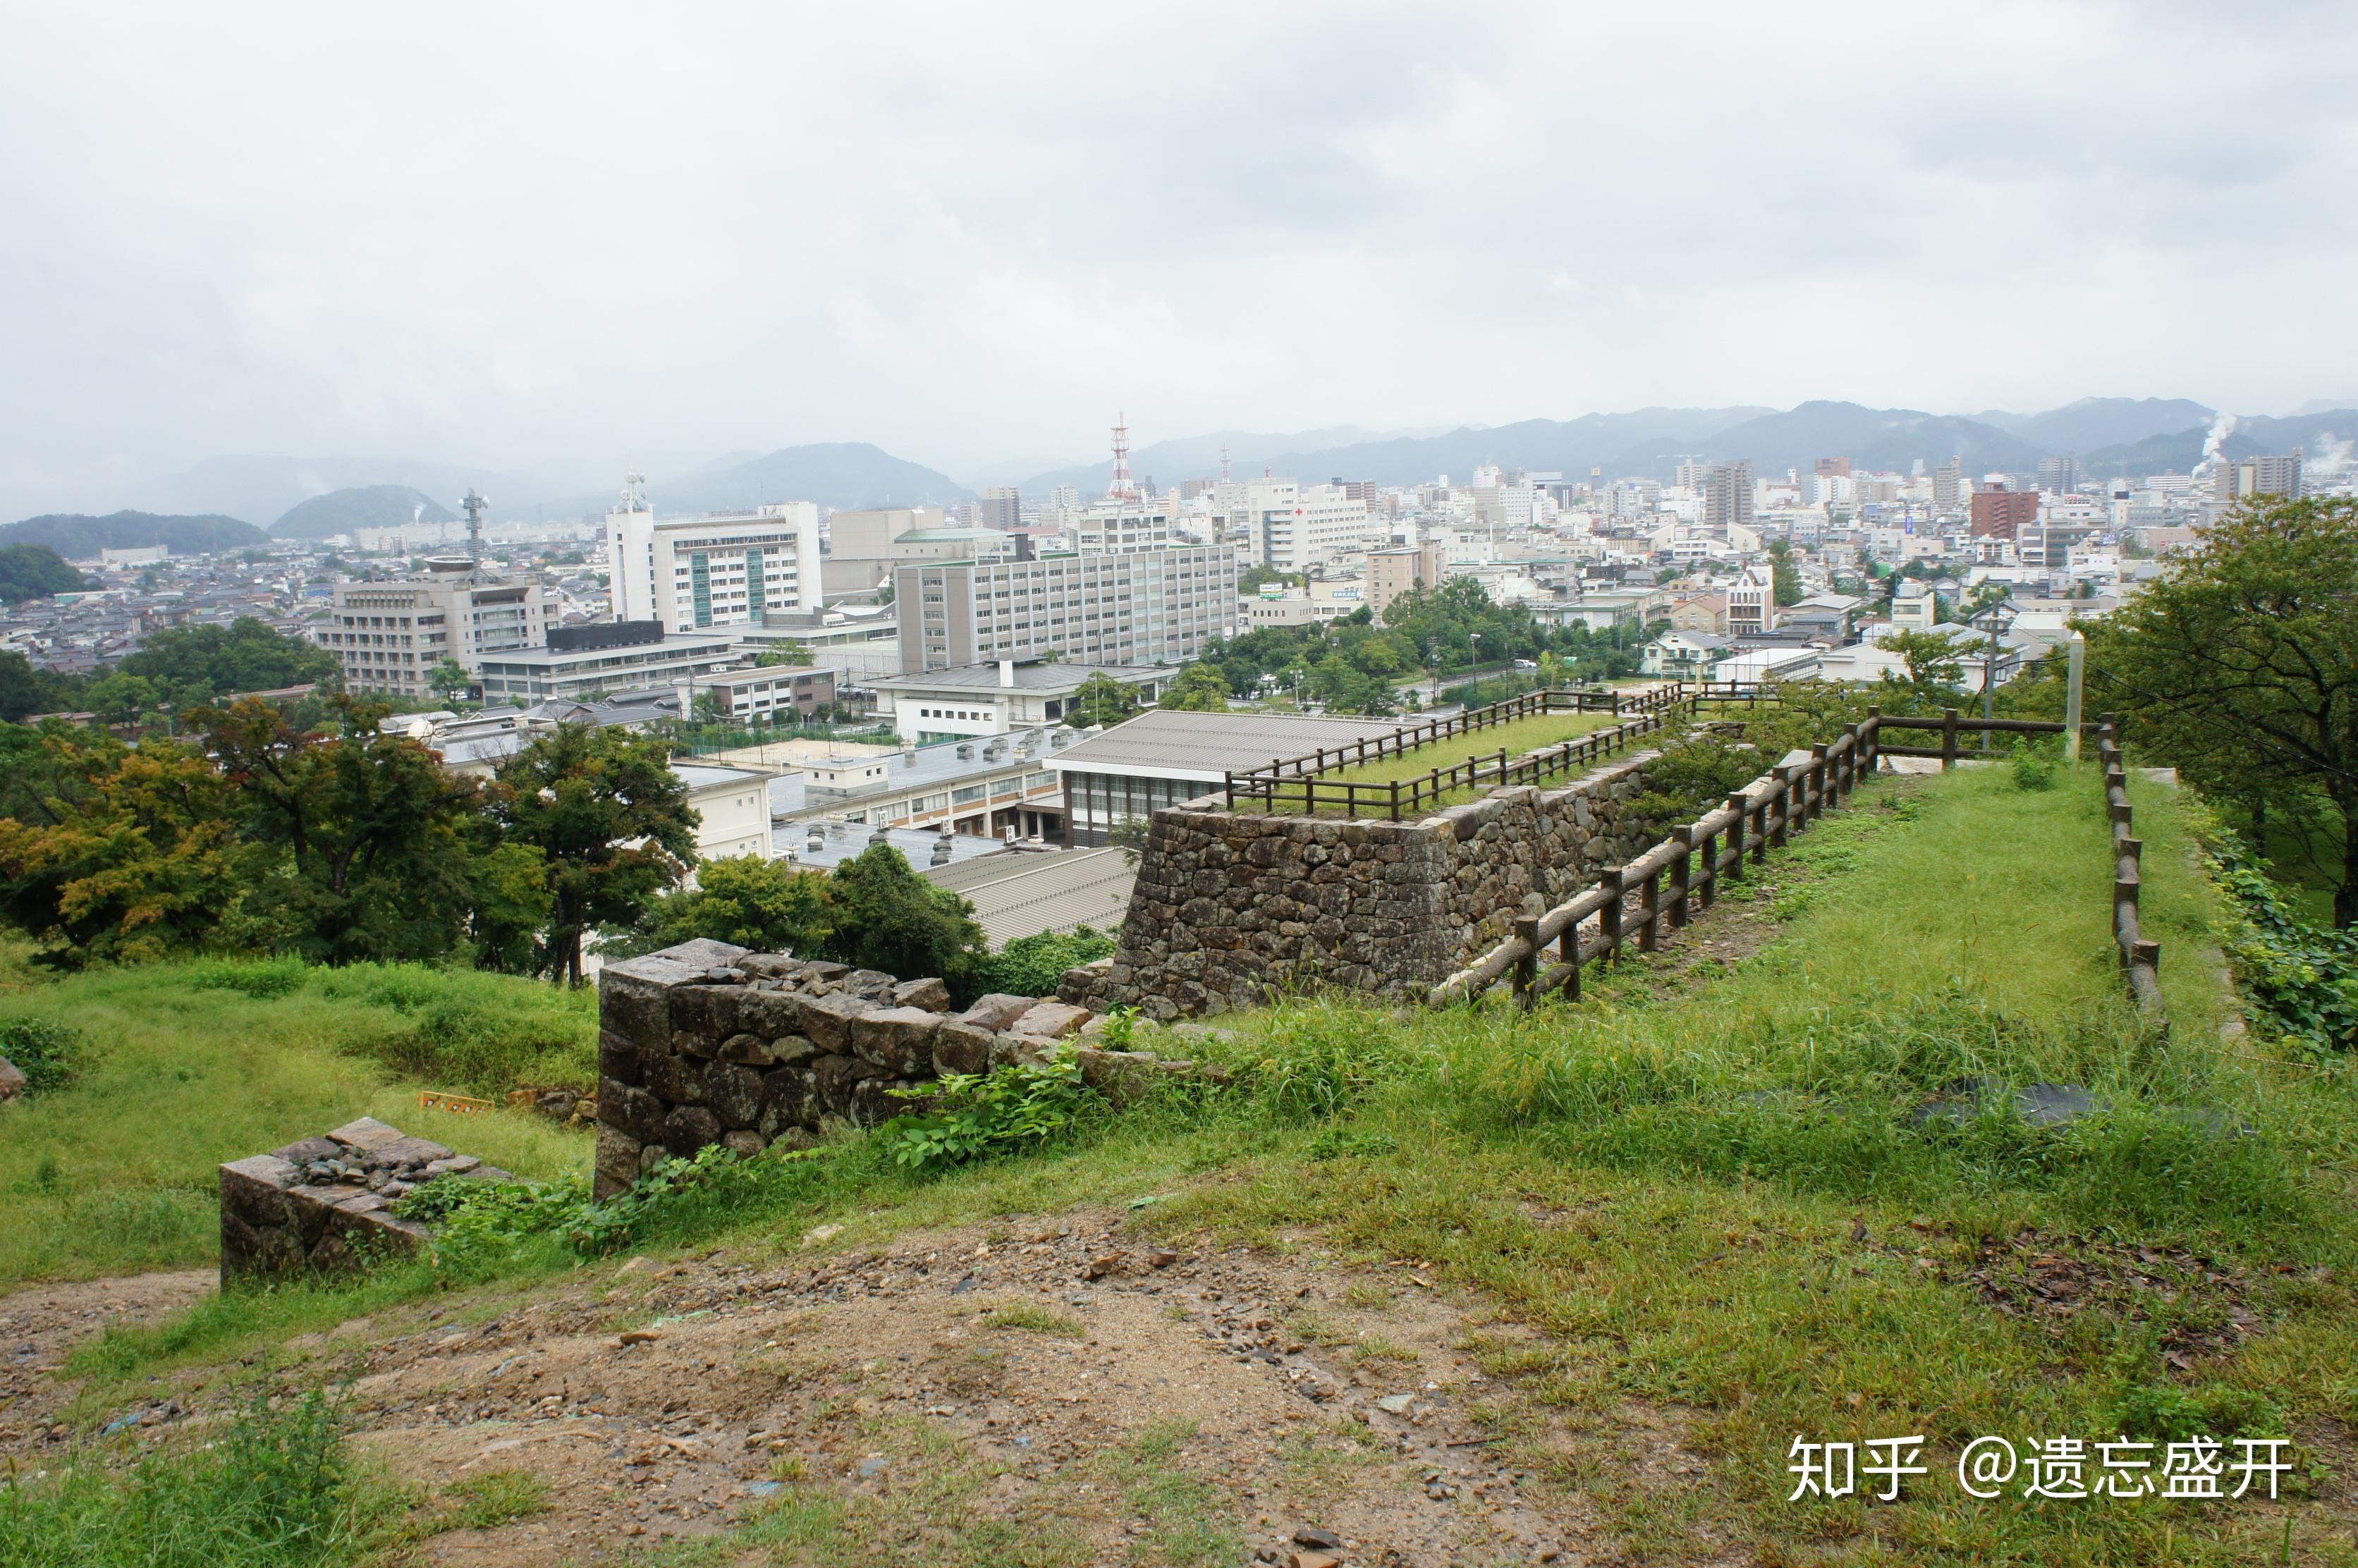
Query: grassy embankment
x=1709 y=1192
x=186 y=1065
x=1516 y=737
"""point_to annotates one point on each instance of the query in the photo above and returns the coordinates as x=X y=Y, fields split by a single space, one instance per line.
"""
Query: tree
x=888 y=917
x=2240 y=667
x=34 y=571
x=712 y=708
x=1102 y=699
x=112 y=853
x=770 y=906
x=1934 y=666
x=364 y=827
x=1199 y=688
x=789 y=654
x=24 y=690
x=450 y=681
x=1785 y=577
x=218 y=662
x=611 y=820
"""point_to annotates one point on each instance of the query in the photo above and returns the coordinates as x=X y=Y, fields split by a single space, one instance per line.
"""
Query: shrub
x=2034 y=768
x=971 y=1116
x=263 y=979
x=2305 y=975
x=1036 y=966
x=48 y=1052
x=463 y=1029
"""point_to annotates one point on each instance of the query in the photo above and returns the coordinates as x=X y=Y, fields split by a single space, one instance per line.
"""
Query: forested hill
x=79 y=536
x=34 y=571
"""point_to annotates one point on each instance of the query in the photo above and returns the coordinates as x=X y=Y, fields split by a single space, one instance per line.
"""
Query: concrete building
x=390 y=636
x=1948 y=487
x=2262 y=476
x=993 y=699
x=763 y=695
x=696 y=573
x=1393 y=572
x=1020 y=894
x=1145 y=607
x=604 y=657
x=2003 y=513
x=979 y=789
x=734 y=808
x=1293 y=529
x=1115 y=526
x=1727 y=494
x=1001 y=507
x=1752 y=602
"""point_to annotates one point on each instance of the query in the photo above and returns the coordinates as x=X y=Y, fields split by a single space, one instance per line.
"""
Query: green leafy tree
x=366 y=825
x=611 y=820
x=112 y=853
x=218 y=662
x=1036 y=966
x=1199 y=688
x=34 y=571
x=24 y=690
x=786 y=656
x=1785 y=576
x=771 y=906
x=1102 y=699
x=509 y=901
x=888 y=917
x=1934 y=666
x=450 y=681
x=2240 y=667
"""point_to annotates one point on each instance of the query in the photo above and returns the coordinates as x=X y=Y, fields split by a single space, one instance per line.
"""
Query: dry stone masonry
x=1230 y=907
x=327 y=1203
x=706 y=1044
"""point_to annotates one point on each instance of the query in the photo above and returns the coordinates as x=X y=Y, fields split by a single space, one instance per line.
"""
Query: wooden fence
x=1301 y=782
x=2140 y=958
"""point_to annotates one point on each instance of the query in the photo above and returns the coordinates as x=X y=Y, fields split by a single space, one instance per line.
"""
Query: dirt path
x=1058 y=1382
x=41 y=1324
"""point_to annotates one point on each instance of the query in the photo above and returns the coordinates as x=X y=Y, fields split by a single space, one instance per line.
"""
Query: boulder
x=898 y=1039
x=710 y=1011
x=748 y=1050
x=734 y=1094
x=997 y=1010
x=769 y=1013
x=932 y=994
x=786 y=1101
x=744 y=1144
x=827 y=1020
x=13 y=1082
x=1051 y=1021
x=962 y=1047
x=874 y=984
x=618 y=1162
x=368 y=1134
x=689 y=1128
x=1124 y=1078
x=618 y=1056
x=675 y=1080
x=633 y=1112
x=836 y=1079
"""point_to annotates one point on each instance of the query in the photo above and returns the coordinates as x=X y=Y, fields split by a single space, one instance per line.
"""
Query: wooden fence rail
x=2140 y=957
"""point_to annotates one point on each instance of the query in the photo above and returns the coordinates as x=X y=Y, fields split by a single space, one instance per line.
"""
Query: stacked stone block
x=326 y=1203
x=1231 y=908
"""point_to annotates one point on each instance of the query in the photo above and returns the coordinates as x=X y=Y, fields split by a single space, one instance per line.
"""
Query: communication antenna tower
x=635 y=492
x=1122 y=488
x=474 y=505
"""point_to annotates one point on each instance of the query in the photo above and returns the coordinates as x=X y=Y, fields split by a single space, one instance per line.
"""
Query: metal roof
x=1041 y=677
x=1206 y=747
x=1024 y=894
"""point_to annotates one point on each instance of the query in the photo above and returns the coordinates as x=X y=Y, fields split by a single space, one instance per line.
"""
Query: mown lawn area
x=1516 y=737
x=185 y=1065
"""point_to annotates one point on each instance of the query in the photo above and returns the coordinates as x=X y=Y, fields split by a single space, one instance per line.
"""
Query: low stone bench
x=326 y=1204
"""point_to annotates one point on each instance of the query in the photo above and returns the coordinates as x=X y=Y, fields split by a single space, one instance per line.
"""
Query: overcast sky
x=507 y=234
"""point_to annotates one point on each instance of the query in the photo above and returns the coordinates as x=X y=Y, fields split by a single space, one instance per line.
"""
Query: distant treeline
x=184 y=667
x=34 y=571
x=79 y=536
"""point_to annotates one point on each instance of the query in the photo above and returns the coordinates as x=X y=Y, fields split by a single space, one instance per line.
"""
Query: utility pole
x=2076 y=660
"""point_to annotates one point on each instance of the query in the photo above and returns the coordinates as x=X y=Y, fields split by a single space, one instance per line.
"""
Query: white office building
x=693 y=574
x=391 y=636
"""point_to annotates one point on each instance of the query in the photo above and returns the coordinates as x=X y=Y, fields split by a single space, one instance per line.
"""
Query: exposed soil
x=39 y=1326
x=1060 y=1379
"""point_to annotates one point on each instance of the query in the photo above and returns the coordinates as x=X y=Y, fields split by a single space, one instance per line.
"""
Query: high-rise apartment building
x=390 y=636
x=1112 y=526
x=734 y=569
x=1948 y=487
x=1001 y=507
x=2261 y=476
x=2003 y=514
x=1146 y=607
x=1393 y=572
x=1293 y=529
x=1727 y=494
x=2059 y=476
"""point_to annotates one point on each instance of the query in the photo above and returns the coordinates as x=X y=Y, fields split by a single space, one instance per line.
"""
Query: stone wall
x=706 y=1044
x=1230 y=907
x=327 y=1203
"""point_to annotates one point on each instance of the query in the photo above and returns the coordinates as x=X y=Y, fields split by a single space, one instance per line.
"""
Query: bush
x=263 y=979
x=2034 y=768
x=2305 y=975
x=1036 y=966
x=273 y=1491
x=48 y=1052
x=975 y=1116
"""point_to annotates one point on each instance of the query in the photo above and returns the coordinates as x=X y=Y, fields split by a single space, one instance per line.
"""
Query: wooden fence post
x=1567 y=949
x=1780 y=798
x=1948 y=739
x=1526 y=967
x=1650 y=912
x=1710 y=868
x=1817 y=783
x=1742 y=806
x=1609 y=881
x=1681 y=872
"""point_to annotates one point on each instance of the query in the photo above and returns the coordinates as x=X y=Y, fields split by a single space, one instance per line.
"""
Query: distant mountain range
x=836 y=473
x=360 y=506
x=79 y=538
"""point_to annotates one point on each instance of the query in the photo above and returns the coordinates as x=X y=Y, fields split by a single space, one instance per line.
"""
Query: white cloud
x=502 y=235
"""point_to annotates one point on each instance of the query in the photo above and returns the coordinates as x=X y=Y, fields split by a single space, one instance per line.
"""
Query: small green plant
x=1035 y=1320
x=972 y=1116
x=1120 y=1030
x=2034 y=768
x=2165 y=1413
x=261 y=978
x=48 y=1052
x=2305 y=975
x=491 y=1499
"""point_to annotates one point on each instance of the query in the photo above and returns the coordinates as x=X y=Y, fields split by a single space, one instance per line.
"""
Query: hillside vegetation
x=79 y=536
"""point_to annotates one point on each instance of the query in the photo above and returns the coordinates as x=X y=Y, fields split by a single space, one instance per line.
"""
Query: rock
x=748 y=1050
x=635 y=1112
x=931 y=994
x=898 y=1039
x=819 y=1234
x=1324 y=1539
x=795 y=1139
x=1020 y=1050
x=769 y=1013
x=962 y=1047
x=827 y=1020
x=304 y=1151
x=674 y=1080
x=689 y=1128
x=1162 y=1259
x=1315 y=1560
x=410 y=1151
x=1050 y=1020
x=1124 y=1078
x=618 y=1162
x=734 y=1093
x=1395 y=1404
x=997 y=1010
x=874 y=985
x=367 y=1133
x=618 y=1056
x=786 y=1101
x=456 y=1166
x=823 y=969
x=835 y=1081
x=743 y=1143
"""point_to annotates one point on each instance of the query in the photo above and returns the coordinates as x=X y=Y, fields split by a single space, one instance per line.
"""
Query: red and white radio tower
x=1123 y=490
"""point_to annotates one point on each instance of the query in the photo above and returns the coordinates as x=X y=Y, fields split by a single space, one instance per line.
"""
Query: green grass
x=1518 y=737
x=1705 y=1188
x=115 y=1173
x=1035 y=1320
